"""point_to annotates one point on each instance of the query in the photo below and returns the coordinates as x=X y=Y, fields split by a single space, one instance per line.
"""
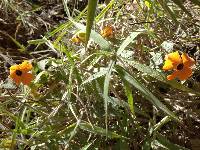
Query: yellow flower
x=78 y=38
x=107 y=31
x=20 y=73
x=181 y=64
x=75 y=39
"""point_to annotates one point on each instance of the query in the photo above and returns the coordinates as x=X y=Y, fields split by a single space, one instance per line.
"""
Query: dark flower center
x=180 y=66
x=18 y=72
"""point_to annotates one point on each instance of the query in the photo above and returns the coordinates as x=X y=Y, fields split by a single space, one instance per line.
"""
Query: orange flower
x=181 y=64
x=19 y=73
x=107 y=31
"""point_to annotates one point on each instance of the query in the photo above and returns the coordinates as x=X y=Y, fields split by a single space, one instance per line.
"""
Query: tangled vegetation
x=113 y=74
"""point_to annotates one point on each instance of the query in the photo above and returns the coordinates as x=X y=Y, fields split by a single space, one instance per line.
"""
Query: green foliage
x=128 y=78
x=90 y=17
x=95 y=36
x=112 y=95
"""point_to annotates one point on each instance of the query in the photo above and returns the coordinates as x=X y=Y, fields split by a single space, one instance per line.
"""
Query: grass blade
x=95 y=76
x=128 y=40
x=169 y=11
x=162 y=141
x=162 y=123
x=98 y=130
x=149 y=96
x=22 y=48
x=197 y=2
x=129 y=95
x=86 y=146
x=158 y=75
x=104 y=10
x=92 y=4
x=180 y=4
x=106 y=91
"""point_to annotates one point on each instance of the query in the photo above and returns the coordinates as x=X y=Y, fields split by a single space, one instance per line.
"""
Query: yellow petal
x=168 y=65
x=14 y=67
x=174 y=57
x=25 y=66
x=75 y=40
x=13 y=70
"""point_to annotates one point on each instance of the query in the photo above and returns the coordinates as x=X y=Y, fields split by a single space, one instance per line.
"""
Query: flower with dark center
x=181 y=64
x=20 y=73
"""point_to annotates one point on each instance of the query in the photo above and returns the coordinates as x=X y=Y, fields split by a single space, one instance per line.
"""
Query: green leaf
x=8 y=84
x=98 y=130
x=42 y=77
x=145 y=69
x=101 y=14
x=163 y=142
x=63 y=27
x=8 y=144
x=180 y=4
x=86 y=146
x=158 y=75
x=96 y=75
x=92 y=4
x=168 y=46
x=74 y=132
x=146 y=93
x=161 y=123
x=66 y=8
x=148 y=3
x=129 y=95
x=67 y=130
x=147 y=144
x=169 y=11
x=106 y=91
x=115 y=101
x=37 y=41
x=22 y=48
x=128 y=40
x=197 y=2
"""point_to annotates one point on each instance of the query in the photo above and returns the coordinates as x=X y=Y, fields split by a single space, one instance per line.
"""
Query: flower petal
x=172 y=76
x=168 y=65
x=187 y=61
x=14 y=68
x=75 y=40
x=15 y=78
x=27 y=78
x=185 y=73
x=174 y=57
x=107 y=31
x=26 y=66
